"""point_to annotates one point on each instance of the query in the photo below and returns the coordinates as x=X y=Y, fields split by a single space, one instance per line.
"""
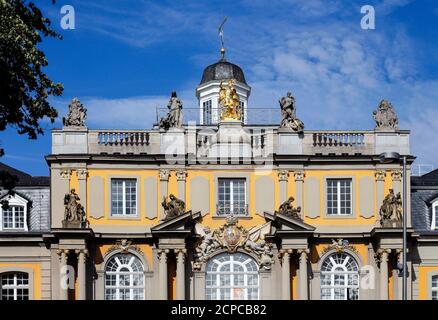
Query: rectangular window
x=14 y=286
x=339 y=197
x=232 y=197
x=434 y=288
x=206 y=107
x=123 y=197
x=242 y=110
x=13 y=218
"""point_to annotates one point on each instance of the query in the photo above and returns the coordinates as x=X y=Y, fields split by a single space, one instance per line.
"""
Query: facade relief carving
x=173 y=208
x=74 y=215
x=164 y=174
x=288 y=113
x=77 y=114
x=123 y=246
x=287 y=208
x=283 y=175
x=380 y=175
x=181 y=175
x=174 y=117
x=385 y=116
x=339 y=245
x=391 y=210
x=396 y=175
x=232 y=237
x=299 y=175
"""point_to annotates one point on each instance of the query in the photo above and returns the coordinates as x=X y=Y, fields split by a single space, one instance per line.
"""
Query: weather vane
x=221 y=35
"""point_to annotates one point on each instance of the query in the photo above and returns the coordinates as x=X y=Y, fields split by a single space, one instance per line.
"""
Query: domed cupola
x=223 y=70
x=207 y=91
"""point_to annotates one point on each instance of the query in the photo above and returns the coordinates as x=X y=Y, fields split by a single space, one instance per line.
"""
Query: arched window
x=124 y=278
x=14 y=286
x=339 y=278
x=232 y=277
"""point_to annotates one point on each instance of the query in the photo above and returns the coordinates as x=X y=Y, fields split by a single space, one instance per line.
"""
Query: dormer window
x=14 y=217
x=434 y=224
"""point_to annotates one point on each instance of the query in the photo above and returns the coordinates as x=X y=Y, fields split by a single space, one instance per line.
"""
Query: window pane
x=339 y=196
x=123 y=196
x=14 y=286
x=232 y=196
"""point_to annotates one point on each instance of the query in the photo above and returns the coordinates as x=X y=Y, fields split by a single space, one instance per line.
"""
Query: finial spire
x=221 y=35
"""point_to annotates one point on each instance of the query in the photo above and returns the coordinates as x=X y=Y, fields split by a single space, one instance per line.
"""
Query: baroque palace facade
x=223 y=209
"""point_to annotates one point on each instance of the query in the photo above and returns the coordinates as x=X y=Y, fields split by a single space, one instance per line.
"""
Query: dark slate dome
x=223 y=70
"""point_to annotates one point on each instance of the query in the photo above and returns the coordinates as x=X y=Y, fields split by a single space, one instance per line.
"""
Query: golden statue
x=229 y=102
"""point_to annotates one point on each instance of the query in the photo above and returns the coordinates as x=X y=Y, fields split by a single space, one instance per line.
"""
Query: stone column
x=384 y=273
x=396 y=176
x=63 y=275
x=380 y=192
x=180 y=274
x=285 y=274
x=181 y=176
x=164 y=180
x=283 y=176
x=162 y=273
x=299 y=189
x=82 y=181
x=303 y=283
x=399 y=253
x=82 y=274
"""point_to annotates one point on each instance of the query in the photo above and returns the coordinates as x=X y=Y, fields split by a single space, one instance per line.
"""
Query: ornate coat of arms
x=230 y=236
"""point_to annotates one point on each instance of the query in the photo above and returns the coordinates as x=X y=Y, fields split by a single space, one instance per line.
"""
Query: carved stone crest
x=77 y=114
x=288 y=113
x=339 y=245
x=231 y=237
x=385 y=116
x=124 y=245
x=391 y=210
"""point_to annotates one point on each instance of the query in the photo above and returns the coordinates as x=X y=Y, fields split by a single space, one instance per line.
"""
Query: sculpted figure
x=209 y=243
x=287 y=208
x=229 y=101
x=391 y=209
x=288 y=113
x=385 y=116
x=77 y=114
x=173 y=208
x=74 y=211
x=174 y=118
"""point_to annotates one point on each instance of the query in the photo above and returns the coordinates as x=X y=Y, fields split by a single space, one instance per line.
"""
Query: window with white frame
x=339 y=278
x=14 y=286
x=339 y=197
x=434 y=293
x=232 y=277
x=124 y=278
x=124 y=197
x=434 y=224
x=232 y=196
x=14 y=217
x=206 y=107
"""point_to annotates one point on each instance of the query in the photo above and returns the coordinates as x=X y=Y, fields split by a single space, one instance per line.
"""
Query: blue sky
x=125 y=57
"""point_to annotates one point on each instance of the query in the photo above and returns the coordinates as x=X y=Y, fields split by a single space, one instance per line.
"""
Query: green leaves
x=25 y=87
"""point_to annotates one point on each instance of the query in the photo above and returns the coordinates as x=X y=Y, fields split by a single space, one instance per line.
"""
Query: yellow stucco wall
x=36 y=268
x=423 y=275
x=210 y=176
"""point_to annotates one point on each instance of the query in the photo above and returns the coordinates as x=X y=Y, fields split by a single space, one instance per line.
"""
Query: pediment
x=284 y=223
x=180 y=224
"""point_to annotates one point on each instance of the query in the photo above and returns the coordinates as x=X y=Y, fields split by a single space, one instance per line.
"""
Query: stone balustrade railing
x=260 y=141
